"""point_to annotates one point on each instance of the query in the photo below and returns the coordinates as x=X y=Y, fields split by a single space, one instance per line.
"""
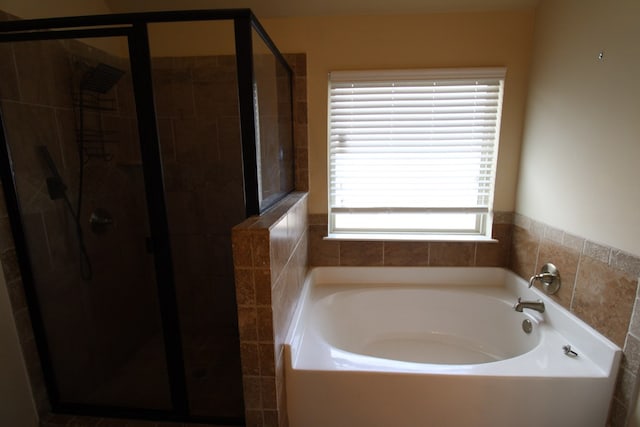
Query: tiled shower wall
x=275 y=115
x=199 y=129
x=38 y=110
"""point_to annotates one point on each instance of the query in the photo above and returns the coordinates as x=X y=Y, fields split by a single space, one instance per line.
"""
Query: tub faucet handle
x=550 y=278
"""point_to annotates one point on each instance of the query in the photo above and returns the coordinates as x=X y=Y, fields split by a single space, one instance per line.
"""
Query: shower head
x=101 y=78
x=55 y=185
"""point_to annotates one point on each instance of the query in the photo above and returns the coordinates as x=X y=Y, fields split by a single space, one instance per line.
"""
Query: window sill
x=411 y=237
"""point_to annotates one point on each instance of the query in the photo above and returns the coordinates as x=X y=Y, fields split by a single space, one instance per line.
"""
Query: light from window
x=412 y=154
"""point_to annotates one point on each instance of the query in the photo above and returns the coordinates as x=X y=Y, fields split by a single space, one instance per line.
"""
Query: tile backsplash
x=599 y=285
x=400 y=253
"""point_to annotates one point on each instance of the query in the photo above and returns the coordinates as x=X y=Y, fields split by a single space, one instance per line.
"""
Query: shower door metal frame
x=135 y=28
x=244 y=21
x=140 y=62
x=246 y=81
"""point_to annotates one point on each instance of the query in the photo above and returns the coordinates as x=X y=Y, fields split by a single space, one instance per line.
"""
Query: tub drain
x=527 y=326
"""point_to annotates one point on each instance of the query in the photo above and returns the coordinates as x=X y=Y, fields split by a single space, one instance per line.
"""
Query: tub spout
x=533 y=305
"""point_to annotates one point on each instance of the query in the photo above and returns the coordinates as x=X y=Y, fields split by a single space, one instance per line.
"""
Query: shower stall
x=130 y=145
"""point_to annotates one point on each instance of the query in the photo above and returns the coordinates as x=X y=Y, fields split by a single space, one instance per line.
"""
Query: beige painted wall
x=416 y=41
x=16 y=404
x=367 y=42
x=192 y=38
x=580 y=168
x=376 y=42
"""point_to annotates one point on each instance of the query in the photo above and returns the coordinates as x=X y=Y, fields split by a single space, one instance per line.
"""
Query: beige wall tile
x=495 y=254
x=566 y=260
x=268 y=392
x=267 y=361
x=604 y=299
x=454 y=254
x=524 y=252
x=406 y=253
x=248 y=324
x=597 y=251
x=253 y=418
x=241 y=245
x=360 y=253
x=573 y=242
x=245 y=288
x=321 y=251
x=262 y=278
x=260 y=248
x=265 y=323
x=252 y=392
x=271 y=419
x=250 y=358
x=626 y=262
x=631 y=359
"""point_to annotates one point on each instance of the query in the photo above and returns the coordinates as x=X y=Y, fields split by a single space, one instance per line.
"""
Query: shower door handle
x=100 y=221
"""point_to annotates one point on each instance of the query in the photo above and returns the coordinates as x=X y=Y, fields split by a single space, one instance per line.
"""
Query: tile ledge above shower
x=272 y=216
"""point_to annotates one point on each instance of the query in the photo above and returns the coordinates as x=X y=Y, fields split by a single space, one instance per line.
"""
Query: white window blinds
x=413 y=152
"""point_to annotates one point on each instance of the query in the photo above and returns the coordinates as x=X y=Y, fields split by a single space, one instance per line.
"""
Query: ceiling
x=288 y=8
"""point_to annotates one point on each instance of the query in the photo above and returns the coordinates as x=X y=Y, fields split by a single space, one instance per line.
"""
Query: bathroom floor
x=214 y=390
x=213 y=387
x=55 y=420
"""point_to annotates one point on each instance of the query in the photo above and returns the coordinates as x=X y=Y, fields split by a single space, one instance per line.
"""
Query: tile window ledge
x=409 y=237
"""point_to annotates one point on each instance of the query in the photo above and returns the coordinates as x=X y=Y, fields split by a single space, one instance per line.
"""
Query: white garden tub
x=432 y=346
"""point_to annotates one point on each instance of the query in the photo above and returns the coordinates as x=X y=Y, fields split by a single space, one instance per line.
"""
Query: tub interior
x=466 y=325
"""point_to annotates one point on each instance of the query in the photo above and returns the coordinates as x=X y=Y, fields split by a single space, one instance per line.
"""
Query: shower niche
x=124 y=167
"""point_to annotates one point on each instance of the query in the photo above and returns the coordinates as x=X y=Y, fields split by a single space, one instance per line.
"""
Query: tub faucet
x=550 y=278
x=533 y=305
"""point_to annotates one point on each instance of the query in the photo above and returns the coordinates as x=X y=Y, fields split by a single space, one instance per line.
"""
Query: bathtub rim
x=600 y=350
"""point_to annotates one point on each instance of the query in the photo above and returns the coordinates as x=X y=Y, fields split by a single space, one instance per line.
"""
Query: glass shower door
x=70 y=124
x=196 y=100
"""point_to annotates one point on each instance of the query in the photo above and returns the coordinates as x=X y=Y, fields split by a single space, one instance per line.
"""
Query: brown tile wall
x=270 y=261
x=298 y=63
x=275 y=130
x=599 y=285
x=399 y=253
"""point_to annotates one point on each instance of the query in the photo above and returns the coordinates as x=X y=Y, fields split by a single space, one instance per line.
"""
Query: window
x=412 y=154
